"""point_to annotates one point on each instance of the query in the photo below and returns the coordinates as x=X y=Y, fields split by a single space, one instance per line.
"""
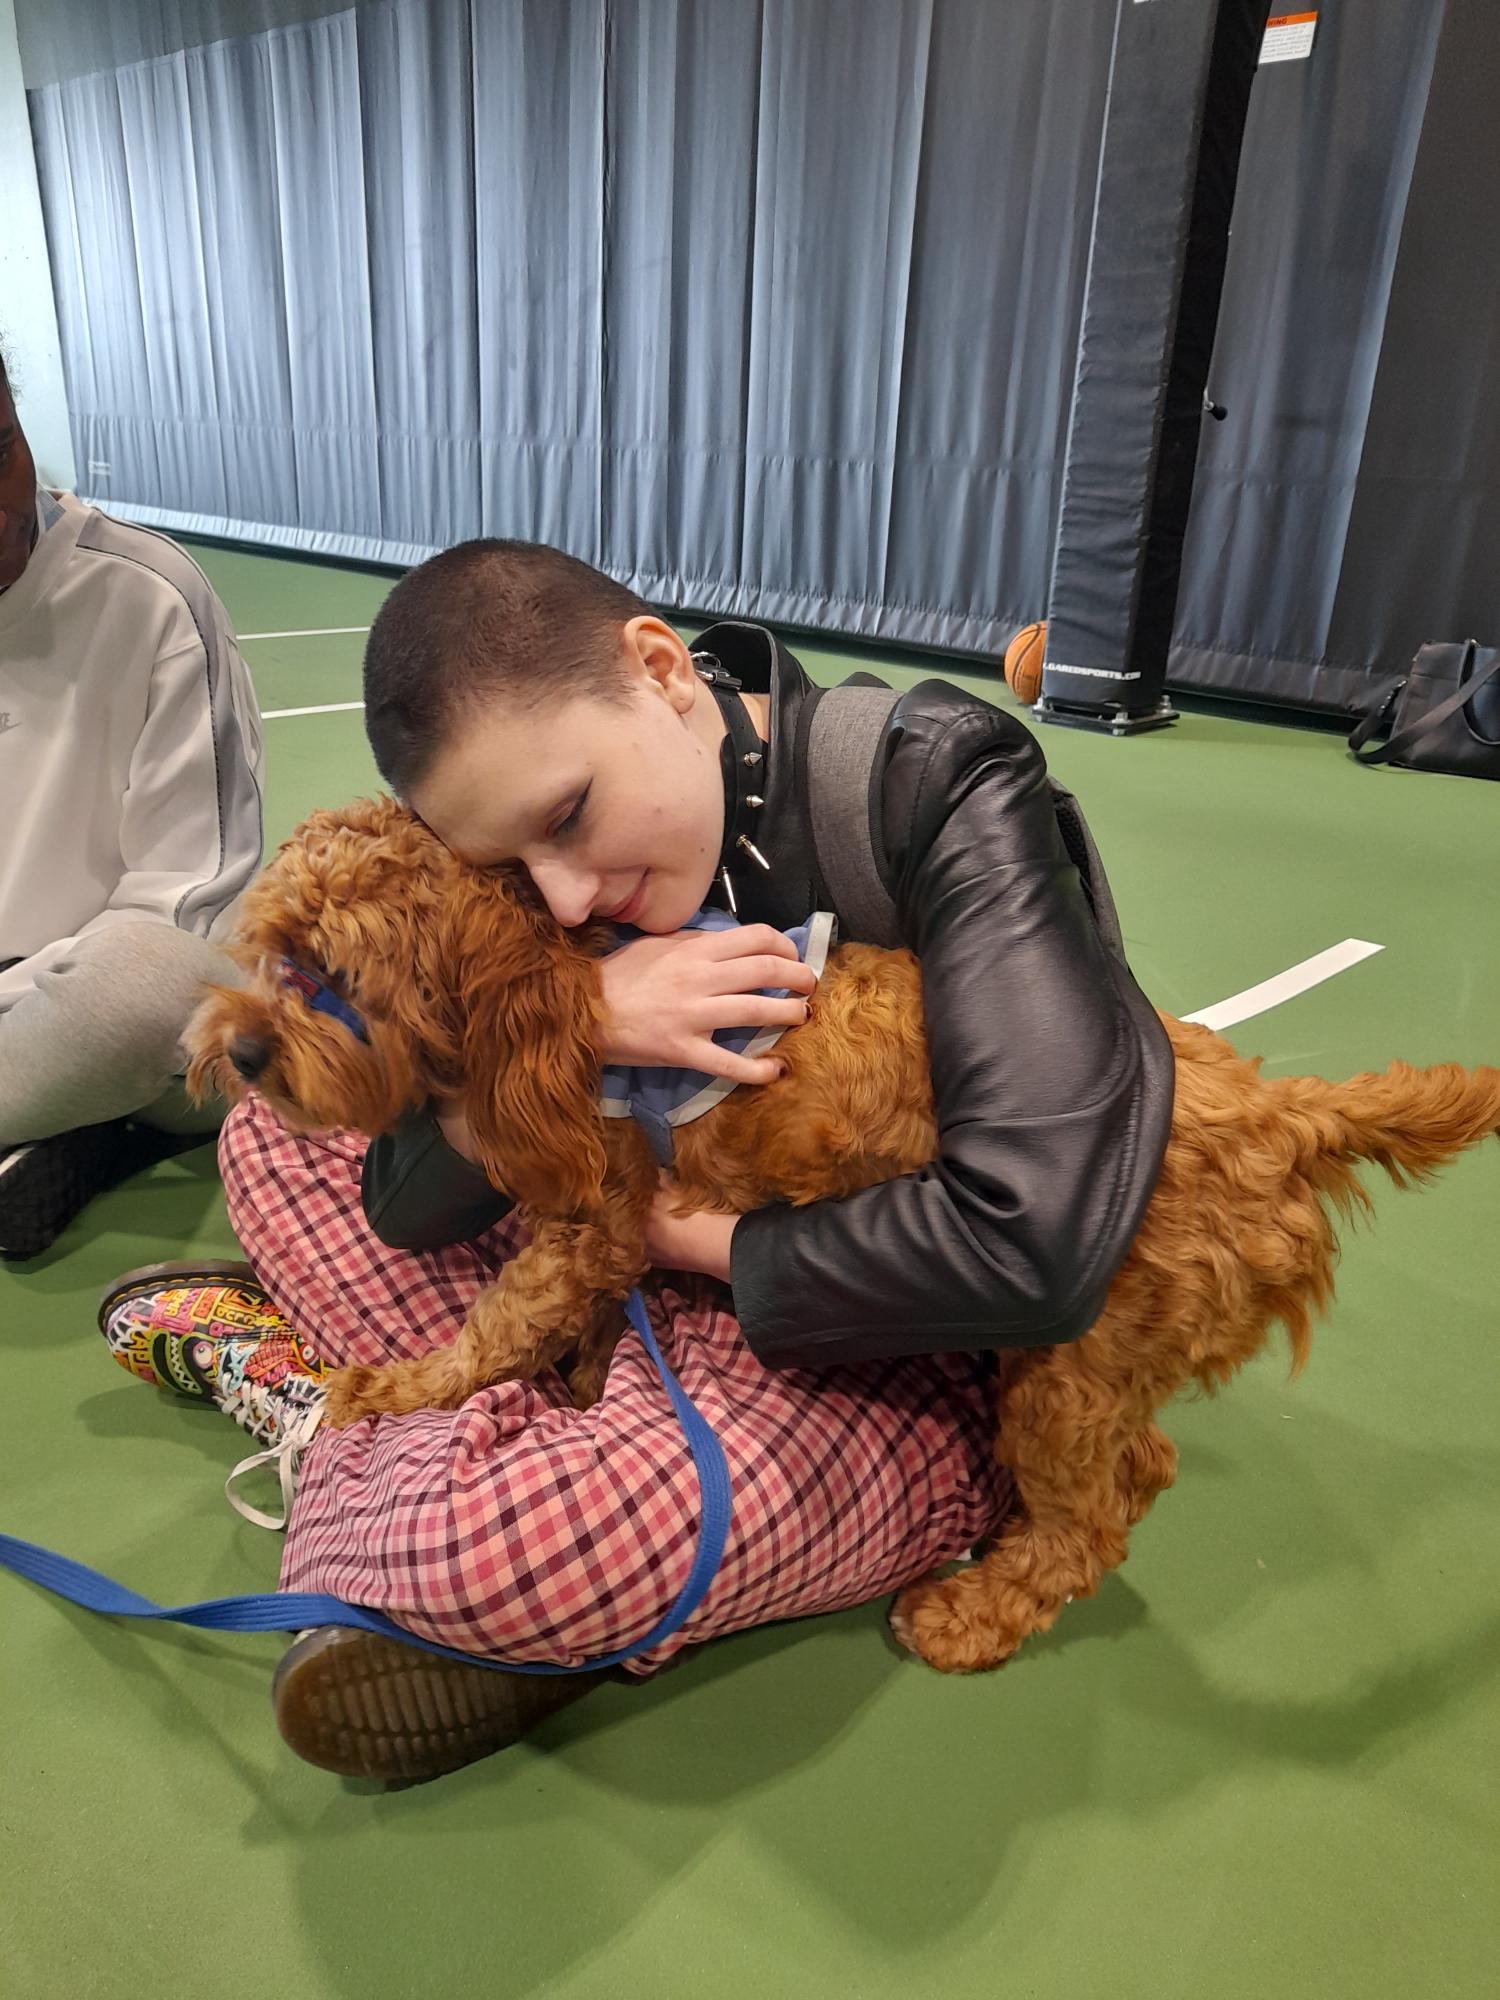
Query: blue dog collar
x=321 y=997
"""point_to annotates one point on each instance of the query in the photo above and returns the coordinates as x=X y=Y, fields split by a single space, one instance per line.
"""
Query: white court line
x=322 y=708
x=1286 y=985
x=313 y=632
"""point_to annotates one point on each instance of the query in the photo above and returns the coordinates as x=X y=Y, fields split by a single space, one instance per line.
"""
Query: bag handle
x=1407 y=739
x=1376 y=722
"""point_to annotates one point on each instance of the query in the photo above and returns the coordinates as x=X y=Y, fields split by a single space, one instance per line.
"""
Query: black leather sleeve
x=1051 y=1077
x=418 y=1194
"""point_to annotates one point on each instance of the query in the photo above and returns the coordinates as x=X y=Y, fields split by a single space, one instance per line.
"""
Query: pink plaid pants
x=522 y=1528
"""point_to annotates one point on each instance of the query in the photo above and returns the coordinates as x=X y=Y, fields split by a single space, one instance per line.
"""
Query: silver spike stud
x=729 y=895
x=753 y=851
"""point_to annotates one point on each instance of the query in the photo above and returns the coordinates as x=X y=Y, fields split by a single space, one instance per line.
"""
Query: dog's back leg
x=1069 y=1440
x=1147 y=1467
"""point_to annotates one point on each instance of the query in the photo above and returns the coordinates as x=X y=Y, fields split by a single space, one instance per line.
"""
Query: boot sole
x=363 y=1706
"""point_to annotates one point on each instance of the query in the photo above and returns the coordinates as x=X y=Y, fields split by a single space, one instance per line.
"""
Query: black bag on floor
x=1442 y=715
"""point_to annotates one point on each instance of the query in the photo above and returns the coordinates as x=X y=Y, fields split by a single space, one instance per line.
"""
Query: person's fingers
x=716 y=1061
x=751 y=1010
x=749 y=940
x=751 y=975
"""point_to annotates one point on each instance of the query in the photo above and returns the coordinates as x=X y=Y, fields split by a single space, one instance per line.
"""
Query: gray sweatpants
x=97 y=1036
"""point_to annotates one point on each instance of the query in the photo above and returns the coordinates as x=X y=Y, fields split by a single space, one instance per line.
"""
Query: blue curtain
x=731 y=299
x=769 y=308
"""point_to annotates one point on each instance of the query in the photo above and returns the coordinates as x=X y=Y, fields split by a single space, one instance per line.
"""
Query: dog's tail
x=1409 y=1121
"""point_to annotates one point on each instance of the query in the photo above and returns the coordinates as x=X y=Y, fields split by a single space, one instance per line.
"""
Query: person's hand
x=664 y=998
x=687 y=1240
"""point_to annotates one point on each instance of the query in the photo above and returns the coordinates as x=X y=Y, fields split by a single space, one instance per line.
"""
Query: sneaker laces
x=290 y=1438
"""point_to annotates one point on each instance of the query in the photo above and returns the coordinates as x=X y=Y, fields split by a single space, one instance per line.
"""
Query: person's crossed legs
x=519 y=1527
x=92 y=1042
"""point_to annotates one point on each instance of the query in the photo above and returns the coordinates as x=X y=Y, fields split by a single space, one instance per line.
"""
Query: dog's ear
x=531 y=1007
x=203 y=1039
x=380 y=901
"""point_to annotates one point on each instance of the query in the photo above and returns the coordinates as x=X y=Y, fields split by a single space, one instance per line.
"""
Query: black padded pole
x=1174 y=119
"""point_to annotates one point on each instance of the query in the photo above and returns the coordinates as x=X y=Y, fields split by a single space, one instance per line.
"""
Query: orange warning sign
x=1288 y=37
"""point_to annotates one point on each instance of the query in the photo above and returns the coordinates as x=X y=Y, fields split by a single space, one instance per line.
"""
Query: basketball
x=1023 y=662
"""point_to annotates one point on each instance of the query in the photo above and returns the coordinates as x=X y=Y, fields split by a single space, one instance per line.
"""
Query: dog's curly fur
x=470 y=988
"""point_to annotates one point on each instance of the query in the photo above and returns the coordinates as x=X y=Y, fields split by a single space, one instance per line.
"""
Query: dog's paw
x=902 y=1630
x=952 y=1624
x=586 y=1384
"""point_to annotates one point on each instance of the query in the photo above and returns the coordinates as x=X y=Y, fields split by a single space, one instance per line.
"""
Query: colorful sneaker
x=165 y=1323
x=210 y=1332
x=272 y=1388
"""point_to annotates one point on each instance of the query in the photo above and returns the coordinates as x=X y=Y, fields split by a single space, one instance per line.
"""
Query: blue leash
x=292 y=1611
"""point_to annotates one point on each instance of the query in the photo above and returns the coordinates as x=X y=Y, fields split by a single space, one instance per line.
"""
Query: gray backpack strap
x=847 y=726
x=846 y=732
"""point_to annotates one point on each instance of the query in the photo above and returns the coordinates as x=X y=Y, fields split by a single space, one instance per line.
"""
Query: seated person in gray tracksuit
x=130 y=770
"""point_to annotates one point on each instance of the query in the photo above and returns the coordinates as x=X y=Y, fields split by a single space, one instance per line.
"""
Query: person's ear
x=657 y=656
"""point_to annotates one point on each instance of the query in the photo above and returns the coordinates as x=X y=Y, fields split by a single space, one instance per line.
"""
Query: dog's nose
x=249 y=1055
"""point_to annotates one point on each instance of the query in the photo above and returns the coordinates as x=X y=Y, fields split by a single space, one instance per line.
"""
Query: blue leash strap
x=293 y=1611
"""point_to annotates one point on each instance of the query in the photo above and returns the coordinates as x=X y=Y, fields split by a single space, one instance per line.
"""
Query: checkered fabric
x=525 y=1529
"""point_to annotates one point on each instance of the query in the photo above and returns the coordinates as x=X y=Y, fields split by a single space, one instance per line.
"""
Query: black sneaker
x=46 y=1182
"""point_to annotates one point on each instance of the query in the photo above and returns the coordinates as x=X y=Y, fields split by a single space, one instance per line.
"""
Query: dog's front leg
x=589 y=1369
x=542 y=1303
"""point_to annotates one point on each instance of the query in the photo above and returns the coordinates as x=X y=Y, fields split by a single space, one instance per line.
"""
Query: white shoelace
x=285 y=1455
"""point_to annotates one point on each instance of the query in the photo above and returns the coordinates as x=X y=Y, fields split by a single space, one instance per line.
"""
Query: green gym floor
x=1261 y=1762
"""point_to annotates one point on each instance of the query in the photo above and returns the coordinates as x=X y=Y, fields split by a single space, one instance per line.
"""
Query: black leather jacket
x=1052 y=1076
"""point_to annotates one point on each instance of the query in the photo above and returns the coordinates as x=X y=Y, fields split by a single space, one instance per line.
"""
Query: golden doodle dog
x=458 y=982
